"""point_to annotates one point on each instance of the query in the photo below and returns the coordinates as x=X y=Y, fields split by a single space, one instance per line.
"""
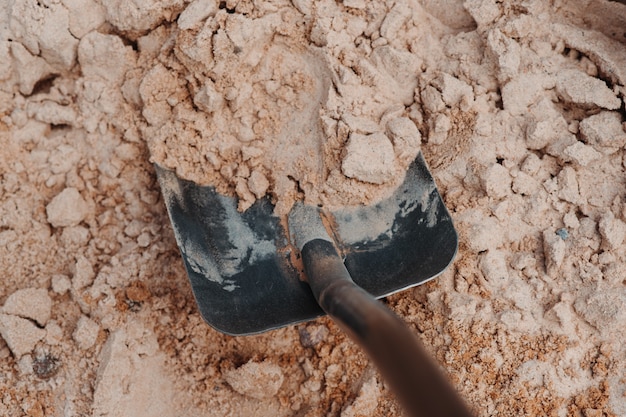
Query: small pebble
x=312 y=335
x=563 y=233
x=45 y=366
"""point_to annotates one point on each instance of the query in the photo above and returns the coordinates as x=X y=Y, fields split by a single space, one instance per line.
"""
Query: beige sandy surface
x=519 y=108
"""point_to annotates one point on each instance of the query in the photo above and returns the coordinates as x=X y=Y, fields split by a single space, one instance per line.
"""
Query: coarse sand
x=518 y=108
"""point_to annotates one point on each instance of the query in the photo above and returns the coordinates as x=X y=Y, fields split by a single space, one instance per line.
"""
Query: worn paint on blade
x=363 y=224
x=245 y=248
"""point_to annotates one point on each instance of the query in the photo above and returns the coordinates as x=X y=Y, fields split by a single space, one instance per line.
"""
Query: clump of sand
x=294 y=102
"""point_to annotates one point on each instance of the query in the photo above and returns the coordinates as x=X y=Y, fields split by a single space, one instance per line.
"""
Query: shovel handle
x=420 y=386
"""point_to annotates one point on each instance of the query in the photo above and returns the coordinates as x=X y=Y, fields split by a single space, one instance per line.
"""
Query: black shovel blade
x=241 y=265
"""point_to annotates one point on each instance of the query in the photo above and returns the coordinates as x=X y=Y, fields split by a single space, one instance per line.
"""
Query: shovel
x=253 y=271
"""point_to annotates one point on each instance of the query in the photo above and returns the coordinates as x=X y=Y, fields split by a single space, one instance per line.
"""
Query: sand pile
x=517 y=107
x=294 y=101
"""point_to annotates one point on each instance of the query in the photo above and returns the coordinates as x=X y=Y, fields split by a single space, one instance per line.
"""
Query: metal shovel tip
x=244 y=268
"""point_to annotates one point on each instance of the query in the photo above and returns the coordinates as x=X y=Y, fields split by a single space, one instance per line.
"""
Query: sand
x=291 y=101
x=518 y=109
